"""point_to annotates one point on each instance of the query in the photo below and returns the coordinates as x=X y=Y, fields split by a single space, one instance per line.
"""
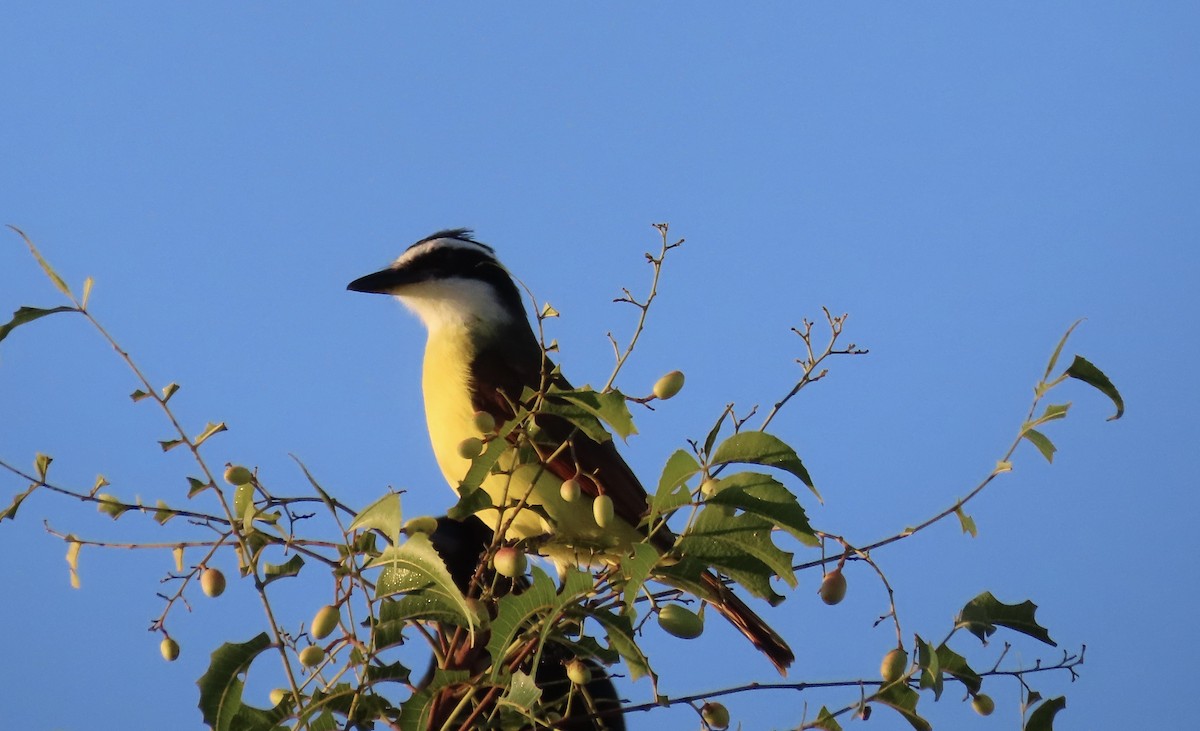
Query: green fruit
x=570 y=490
x=833 y=587
x=893 y=665
x=324 y=622
x=470 y=448
x=426 y=524
x=715 y=715
x=602 y=510
x=669 y=385
x=238 y=475
x=212 y=582
x=983 y=704
x=680 y=621
x=485 y=423
x=169 y=649
x=311 y=656
x=710 y=487
x=509 y=562
x=578 y=672
x=277 y=696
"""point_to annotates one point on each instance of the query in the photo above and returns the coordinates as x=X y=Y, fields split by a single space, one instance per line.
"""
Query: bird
x=482 y=355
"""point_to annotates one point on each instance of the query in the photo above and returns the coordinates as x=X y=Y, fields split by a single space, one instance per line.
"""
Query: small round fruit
x=669 y=385
x=893 y=665
x=602 y=510
x=169 y=649
x=680 y=621
x=570 y=490
x=235 y=474
x=470 y=448
x=324 y=621
x=509 y=562
x=833 y=587
x=278 y=695
x=426 y=524
x=311 y=656
x=711 y=486
x=212 y=582
x=983 y=704
x=578 y=672
x=715 y=715
x=485 y=423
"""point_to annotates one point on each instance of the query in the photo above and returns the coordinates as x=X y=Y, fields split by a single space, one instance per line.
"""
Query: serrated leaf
x=619 y=632
x=390 y=673
x=739 y=546
x=756 y=447
x=635 y=570
x=42 y=464
x=221 y=687
x=966 y=521
x=73 y=547
x=672 y=491
x=1042 y=718
x=533 y=609
x=610 y=407
x=522 y=693
x=984 y=613
x=276 y=571
x=757 y=494
x=163 y=513
x=169 y=444
x=416 y=566
x=383 y=515
x=1081 y=369
x=931 y=668
x=903 y=700
x=53 y=275
x=29 y=314
x=169 y=391
x=209 y=430
x=956 y=665
x=397 y=615
x=1043 y=444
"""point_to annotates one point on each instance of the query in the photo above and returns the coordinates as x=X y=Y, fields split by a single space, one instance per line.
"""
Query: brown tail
x=748 y=623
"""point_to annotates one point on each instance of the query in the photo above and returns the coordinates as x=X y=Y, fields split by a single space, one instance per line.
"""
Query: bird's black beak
x=384 y=281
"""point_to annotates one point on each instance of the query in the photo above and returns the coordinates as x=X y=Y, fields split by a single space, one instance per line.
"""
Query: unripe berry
x=570 y=490
x=678 y=620
x=578 y=672
x=893 y=665
x=324 y=621
x=711 y=486
x=169 y=649
x=669 y=385
x=311 y=656
x=602 y=510
x=983 y=704
x=277 y=696
x=485 y=423
x=212 y=582
x=509 y=562
x=470 y=448
x=238 y=475
x=833 y=587
x=716 y=715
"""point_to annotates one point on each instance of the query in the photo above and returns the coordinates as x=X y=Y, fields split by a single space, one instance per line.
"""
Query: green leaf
x=533 y=609
x=756 y=447
x=956 y=665
x=169 y=444
x=825 y=720
x=966 y=521
x=619 y=632
x=29 y=314
x=169 y=391
x=243 y=499
x=208 y=432
x=53 y=275
x=383 y=515
x=482 y=466
x=196 y=486
x=110 y=505
x=931 y=669
x=579 y=417
x=610 y=407
x=163 y=513
x=396 y=616
x=415 y=712
x=712 y=433
x=138 y=395
x=982 y=614
x=11 y=511
x=416 y=566
x=470 y=501
x=635 y=570
x=1042 y=718
x=276 y=571
x=87 y=292
x=522 y=693
x=1043 y=444
x=221 y=688
x=1058 y=349
x=42 y=464
x=739 y=546
x=757 y=494
x=672 y=491
x=1084 y=371
x=903 y=700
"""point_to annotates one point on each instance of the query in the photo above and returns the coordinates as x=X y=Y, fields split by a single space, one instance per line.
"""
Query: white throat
x=455 y=304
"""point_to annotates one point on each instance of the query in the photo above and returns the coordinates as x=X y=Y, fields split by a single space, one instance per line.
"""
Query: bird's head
x=450 y=280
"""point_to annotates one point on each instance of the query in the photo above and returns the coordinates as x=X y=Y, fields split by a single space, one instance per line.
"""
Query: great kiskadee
x=481 y=354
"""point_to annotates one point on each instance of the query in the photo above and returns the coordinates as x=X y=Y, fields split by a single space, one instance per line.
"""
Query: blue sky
x=965 y=181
